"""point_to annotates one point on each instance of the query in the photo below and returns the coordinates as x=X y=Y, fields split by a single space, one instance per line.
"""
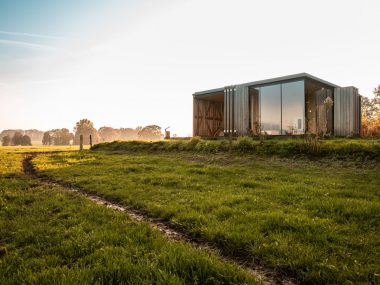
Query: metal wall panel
x=347 y=113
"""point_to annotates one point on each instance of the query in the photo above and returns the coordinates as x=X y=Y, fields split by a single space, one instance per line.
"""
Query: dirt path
x=266 y=276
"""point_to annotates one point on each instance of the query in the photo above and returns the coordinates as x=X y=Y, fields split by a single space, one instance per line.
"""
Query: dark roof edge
x=271 y=80
x=206 y=92
x=289 y=77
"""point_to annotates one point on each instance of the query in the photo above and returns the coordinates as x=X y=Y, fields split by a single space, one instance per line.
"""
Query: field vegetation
x=314 y=219
x=51 y=236
x=346 y=149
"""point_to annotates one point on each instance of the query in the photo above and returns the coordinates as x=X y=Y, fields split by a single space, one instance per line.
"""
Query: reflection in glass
x=293 y=108
x=254 y=110
x=270 y=101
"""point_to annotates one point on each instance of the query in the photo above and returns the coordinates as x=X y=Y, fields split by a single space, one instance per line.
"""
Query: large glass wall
x=282 y=108
x=270 y=103
x=293 y=108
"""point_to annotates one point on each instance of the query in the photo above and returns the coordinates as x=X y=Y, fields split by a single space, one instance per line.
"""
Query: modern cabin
x=289 y=105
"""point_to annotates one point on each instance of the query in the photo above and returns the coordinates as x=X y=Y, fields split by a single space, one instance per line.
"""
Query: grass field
x=316 y=220
x=333 y=149
x=50 y=236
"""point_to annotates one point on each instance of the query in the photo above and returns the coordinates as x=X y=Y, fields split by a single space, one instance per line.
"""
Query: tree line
x=16 y=139
x=107 y=134
x=83 y=127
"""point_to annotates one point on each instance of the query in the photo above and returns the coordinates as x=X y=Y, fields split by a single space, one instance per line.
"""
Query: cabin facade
x=289 y=105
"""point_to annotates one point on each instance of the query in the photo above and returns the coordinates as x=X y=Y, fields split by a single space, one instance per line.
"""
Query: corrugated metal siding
x=347 y=113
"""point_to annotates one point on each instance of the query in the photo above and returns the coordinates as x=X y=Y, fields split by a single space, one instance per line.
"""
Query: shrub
x=244 y=144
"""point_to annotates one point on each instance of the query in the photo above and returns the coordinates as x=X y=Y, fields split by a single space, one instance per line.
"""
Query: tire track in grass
x=265 y=275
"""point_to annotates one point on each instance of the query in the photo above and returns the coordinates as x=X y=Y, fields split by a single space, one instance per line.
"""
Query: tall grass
x=354 y=149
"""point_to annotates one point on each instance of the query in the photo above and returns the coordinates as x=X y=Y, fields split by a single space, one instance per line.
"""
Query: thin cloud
x=43 y=82
x=31 y=35
x=33 y=46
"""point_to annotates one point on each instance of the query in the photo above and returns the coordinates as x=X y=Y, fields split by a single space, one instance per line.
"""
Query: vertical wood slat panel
x=351 y=108
x=194 y=119
x=241 y=110
x=207 y=117
x=346 y=111
x=226 y=106
x=224 y=112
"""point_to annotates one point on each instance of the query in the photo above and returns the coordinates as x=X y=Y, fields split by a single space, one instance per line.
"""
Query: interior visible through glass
x=293 y=108
x=282 y=108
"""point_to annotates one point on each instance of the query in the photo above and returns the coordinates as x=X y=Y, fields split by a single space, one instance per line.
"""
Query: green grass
x=49 y=236
x=347 y=149
x=315 y=220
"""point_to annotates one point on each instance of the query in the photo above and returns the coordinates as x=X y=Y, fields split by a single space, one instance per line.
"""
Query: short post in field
x=81 y=142
x=167 y=133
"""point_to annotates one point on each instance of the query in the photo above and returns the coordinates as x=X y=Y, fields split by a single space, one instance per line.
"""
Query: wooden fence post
x=90 y=140
x=81 y=142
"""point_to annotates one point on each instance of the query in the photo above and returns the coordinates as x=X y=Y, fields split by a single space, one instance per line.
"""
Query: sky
x=125 y=63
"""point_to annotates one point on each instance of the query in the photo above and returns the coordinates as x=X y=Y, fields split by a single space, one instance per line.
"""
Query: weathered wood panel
x=254 y=109
x=347 y=113
x=236 y=111
x=229 y=101
x=312 y=102
x=324 y=117
x=207 y=117
x=241 y=110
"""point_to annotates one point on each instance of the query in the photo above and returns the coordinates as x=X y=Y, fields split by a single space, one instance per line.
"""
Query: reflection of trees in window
x=293 y=108
x=270 y=103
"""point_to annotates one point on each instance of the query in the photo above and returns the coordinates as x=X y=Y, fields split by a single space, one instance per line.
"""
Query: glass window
x=293 y=108
x=254 y=110
x=270 y=102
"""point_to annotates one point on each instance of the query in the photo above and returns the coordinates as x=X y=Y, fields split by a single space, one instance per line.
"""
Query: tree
x=129 y=133
x=25 y=140
x=47 y=139
x=86 y=128
x=61 y=136
x=6 y=140
x=371 y=114
x=35 y=135
x=17 y=138
x=151 y=132
x=10 y=133
x=108 y=134
x=376 y=100
x=57 y=137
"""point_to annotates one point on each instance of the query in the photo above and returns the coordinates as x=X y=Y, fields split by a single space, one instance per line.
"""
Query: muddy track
x=265 y=275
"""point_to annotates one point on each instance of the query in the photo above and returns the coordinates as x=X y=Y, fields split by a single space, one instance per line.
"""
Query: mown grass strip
x=317 y=221
x=48 y=236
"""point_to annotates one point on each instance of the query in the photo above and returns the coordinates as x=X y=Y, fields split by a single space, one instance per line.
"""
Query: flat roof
x=268 y=81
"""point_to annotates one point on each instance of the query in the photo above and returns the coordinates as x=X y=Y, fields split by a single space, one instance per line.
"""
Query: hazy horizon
x=135 y=63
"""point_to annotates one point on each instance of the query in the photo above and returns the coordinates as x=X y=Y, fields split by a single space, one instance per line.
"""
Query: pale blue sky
x=129 y=63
